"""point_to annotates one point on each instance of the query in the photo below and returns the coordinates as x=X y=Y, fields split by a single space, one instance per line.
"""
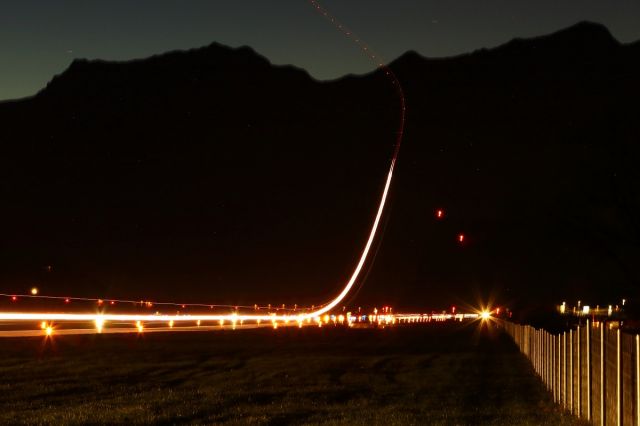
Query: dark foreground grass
x=414 y=375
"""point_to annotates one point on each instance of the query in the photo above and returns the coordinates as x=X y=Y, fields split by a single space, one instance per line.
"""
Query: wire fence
x=592 y=371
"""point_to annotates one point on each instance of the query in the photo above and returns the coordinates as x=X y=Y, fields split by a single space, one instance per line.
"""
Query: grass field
x=426 y=374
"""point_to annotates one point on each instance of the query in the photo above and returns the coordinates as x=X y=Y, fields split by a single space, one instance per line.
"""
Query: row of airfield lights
x=384 y=317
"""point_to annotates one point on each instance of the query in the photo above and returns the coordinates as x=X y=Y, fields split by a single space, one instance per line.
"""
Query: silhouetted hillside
x=213 y=175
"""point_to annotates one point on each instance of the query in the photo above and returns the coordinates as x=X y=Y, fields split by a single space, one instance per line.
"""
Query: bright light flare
x=485 y=315
x=99 y=324
x=34 y=291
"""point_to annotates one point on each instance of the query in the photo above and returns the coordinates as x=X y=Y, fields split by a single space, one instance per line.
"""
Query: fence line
x=593 y=372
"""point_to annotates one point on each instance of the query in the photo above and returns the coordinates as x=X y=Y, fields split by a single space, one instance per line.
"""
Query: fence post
x=549 y=361
x=602 y=365
x=550 y=358
x=538 y=352
x=588 y=371
x=558 y=369
x=579 y=384
x=543 y=336
x=553 y=366
x=571 y=370
x=564 y=371
x=618 y=380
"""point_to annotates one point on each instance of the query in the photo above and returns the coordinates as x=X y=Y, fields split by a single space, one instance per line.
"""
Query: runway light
x=140 y=327
x=99 y=324
x=171 y=324
x=198 y=322
x=34 y=291
x=43 y=325
x=49 y=331
x=485 y=315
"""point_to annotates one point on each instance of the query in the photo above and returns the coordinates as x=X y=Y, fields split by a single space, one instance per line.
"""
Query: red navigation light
x=439 y=214
x=112 y=302
x=453 y=309
x=67 y=300
x=14 y=298
x=461 y=238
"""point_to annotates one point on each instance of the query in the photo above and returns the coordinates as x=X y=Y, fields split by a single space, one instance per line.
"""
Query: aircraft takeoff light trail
x=100 y=319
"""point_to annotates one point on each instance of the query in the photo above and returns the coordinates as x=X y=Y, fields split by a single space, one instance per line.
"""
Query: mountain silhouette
x=212 y=175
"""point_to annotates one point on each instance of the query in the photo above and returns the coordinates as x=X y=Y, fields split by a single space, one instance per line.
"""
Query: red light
x=461 y=238
x=112 y=302
x=67 y=300
x=14 y=298
x=439 y=214
x=183 y=306
x=100 y=301
x=453 y=309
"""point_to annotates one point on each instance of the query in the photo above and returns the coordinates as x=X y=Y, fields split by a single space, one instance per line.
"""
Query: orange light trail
x=100 y=319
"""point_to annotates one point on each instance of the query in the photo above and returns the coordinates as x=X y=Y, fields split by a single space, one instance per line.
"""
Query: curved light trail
x=99 y=318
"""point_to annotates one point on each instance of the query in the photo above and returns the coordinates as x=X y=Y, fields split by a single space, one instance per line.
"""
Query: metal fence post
x=602 y=412
x=588 y=371
x=553 y=366
x=571 y=370
x=618 y=380
x=637 y=380
x=558 y=369
x=579 y=384
x=564 y=370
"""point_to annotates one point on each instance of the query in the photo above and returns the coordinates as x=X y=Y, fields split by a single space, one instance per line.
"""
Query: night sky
x=39 y=38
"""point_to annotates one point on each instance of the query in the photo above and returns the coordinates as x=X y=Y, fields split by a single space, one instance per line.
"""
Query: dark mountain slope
x=212 y=175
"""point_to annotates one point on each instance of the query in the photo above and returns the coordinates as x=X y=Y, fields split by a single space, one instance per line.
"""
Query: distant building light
x=585 y=310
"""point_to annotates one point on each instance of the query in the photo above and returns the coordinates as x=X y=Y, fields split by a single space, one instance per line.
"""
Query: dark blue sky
x=39 y=38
